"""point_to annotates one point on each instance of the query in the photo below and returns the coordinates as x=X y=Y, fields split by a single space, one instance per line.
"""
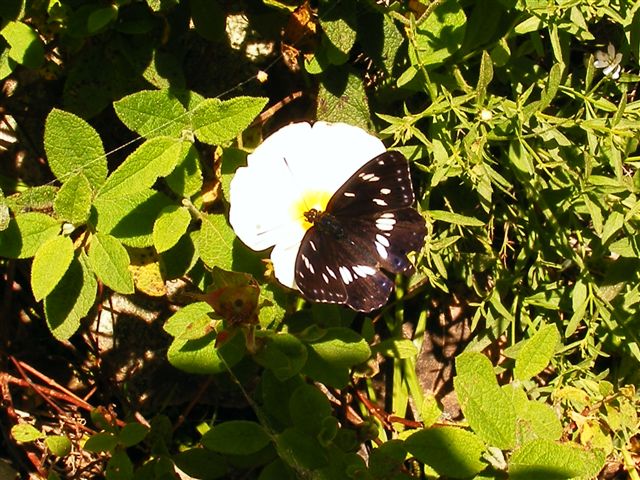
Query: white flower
x=609 y=61
x=297 y=168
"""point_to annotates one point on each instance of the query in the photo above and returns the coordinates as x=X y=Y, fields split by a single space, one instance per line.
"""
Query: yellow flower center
x=310 y=200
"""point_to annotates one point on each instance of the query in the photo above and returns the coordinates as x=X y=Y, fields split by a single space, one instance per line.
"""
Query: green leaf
x=455 y=218
x=239 y=437
x=154 y=158
x=119 y=466
x=132 y=434
x=26 y=47
x=201 y=463
x=101 y=17
x=110 y=261
x=332 y=355
x=73 y=200
x=5 y=215
x=552 y=461
x=50 y=264
x=58 y=445
x=486 y=407
x=300 y=450
x=170 y=226
x=130 y=218
x=202 y=356
x=153 y=113
x=450 y=451
x=181 y=321
x=215 y=242
x=186 y=178
x=26 y=232
x=23 y=433
x=439 y=36
x=309 y=409
x=342 y=99
x=74 y=147
x=396 y=348
x=536 y=353
x=281 y=353
x=216 y=122
x=335 y=24
x=101 y=442
x=71 y=300
x=208 y=18
x=538 y=420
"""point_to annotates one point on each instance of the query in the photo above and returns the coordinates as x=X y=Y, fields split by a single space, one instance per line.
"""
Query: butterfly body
x=367 y=228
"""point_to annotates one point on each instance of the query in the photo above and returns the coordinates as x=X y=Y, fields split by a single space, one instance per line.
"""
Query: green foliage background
x=525 y=156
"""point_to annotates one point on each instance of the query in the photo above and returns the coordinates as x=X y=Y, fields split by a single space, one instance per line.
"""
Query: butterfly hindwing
x=383 y=183
x=330 y=270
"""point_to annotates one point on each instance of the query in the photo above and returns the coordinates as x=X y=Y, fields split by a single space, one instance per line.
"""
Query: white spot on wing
x=331 y=272
x=379 y=201
x=349 y=194
x=381 y=250
x=382 y=240
x=385 y=191
x=385 y=222
x=325 y=278
x=346 y=275
x=364 y=270
x=313 y=246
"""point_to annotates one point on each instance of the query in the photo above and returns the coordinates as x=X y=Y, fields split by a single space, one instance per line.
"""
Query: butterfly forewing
x=383 y=183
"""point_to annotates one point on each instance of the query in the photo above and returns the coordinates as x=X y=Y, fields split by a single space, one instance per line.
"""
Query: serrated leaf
x=236 y=437
x=130 y=218
x=26 y=232
x=26 y=47
x=170 y=226
x=342 y=99
x=153 y=113
x=58 y=445
x=50 y=263
x=537 y=352
x=154 y=158
x=450 y=451
x=455 y=218
x=24 y=432
x=215 y=242
x=485 y=406
x=216 y=122
x=74 y=147
x=110 y=261
x=335 y=25
x=71 y=300
x=537 y=420
x=186 y=178
x=552 y=461
x=73 y=200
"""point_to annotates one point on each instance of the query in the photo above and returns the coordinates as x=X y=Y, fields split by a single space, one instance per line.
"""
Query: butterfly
x=367 y=228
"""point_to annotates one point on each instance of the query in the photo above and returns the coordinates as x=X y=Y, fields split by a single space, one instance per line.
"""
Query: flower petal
x=284 y=262
x=260 y=207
